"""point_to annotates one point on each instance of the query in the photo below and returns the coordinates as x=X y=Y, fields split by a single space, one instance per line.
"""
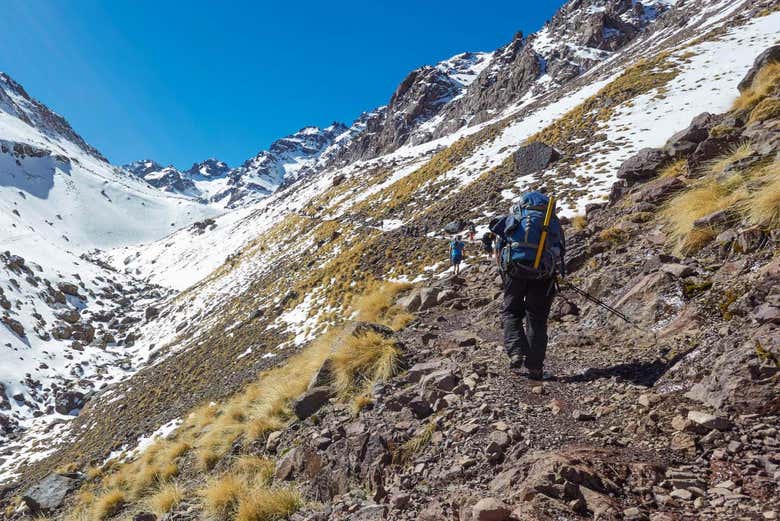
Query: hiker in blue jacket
x=456 y=254
x=528 y=290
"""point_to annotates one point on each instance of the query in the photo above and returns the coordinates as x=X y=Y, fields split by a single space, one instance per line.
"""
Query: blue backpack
x=457 y=249
x=522 y=231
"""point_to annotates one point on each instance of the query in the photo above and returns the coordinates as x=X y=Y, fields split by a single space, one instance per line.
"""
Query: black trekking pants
x=529 y=300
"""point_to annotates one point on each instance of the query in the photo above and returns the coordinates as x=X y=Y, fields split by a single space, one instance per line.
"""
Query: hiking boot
x=515 y=362
x=535 y=374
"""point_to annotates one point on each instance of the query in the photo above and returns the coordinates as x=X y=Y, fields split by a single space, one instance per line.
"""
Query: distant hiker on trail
x=472 y=231
x=530 y=251
x=488 y=238
x=456 y=254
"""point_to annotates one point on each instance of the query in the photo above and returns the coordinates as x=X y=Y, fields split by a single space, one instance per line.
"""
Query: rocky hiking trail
x=461 y=436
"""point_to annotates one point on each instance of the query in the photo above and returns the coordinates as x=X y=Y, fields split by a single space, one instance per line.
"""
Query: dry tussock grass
x=209 y=432
x=763 y=207
x=764 y=84
x=704 y=198
x=108 y=504
x=376 y=305
x=765 y=110
x=364 y=360
x=247 y=497
x=268 y=504
x=579 y=222
x=416 y=443
x=675 y=169
x=752 y=195
x=165 y=498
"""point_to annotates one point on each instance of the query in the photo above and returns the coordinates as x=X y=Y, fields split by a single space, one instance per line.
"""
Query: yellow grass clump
x=165 y=498
x=704 y=198
x=108 y=504
x=256 y=468
x=238 y=497
x=675 y=169
x=416 y=443
x=376 y=305
x=767 y=109
x=579 y=222
x=363 y=360
x=763 y=206
x=221 y=495
x=737 y=153
x=752 y=195
x=613 y=235
x=764 y=84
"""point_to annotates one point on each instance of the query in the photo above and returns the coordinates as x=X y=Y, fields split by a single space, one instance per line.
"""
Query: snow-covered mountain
x=166 y=178
x=287 y=159
x=60 y=332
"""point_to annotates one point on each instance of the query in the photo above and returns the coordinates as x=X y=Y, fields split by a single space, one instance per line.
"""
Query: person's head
x=457 y=237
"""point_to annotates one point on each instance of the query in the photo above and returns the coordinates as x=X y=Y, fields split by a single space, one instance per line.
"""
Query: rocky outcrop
x=50 y=493
x=534 y=158
x=770 y=55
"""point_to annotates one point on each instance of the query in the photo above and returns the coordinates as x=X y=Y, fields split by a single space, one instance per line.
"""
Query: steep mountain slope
x=261 y=282
x=59 y=200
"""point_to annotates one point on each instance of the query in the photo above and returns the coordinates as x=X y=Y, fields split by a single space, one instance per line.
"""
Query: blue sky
x=182 y=81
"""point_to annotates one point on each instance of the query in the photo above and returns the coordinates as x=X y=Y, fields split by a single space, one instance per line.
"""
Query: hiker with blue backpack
x=530 y=252
x=456 y=254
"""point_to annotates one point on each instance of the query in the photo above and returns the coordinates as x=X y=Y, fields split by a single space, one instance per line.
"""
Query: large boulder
x=709 y=149
x=68 y=288
x=768 y=56
x=686 y=141
x=50 y=493
x=311 y=401
x=323 y=376
x=658 y=190
x=14 y=325
x=410 y=302
x=455 y=226
x=428 y=298
x=643 y=165
x=152 y=312
x=534 y=158
x=70 y=315
x=743 y=378
x=69 y=402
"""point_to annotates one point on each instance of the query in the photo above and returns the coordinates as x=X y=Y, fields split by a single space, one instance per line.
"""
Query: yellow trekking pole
x=545 y=226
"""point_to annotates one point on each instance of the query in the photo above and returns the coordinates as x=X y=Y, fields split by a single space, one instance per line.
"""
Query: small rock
x=490 y=509
x=709 y=421
x=649 y=399
x=582 y=416
x=678 y=270
x=400 y=501
x=273 y=441
x=681 y=493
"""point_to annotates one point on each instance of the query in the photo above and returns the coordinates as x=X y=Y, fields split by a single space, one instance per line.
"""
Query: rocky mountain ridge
x=434 y=101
